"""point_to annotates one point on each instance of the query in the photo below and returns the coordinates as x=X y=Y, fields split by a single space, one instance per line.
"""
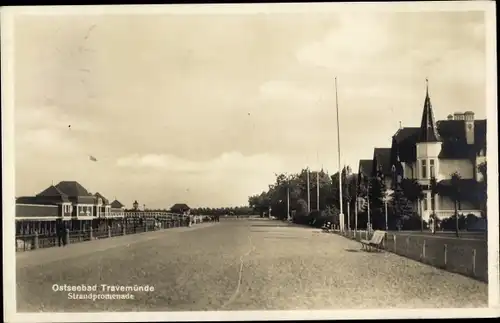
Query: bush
x=413 y=223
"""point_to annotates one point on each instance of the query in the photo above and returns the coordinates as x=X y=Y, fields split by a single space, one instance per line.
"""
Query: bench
x=326 y=227
x=374 y=242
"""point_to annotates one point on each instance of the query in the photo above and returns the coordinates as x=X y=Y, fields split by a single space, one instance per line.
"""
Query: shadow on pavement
x=269 y=225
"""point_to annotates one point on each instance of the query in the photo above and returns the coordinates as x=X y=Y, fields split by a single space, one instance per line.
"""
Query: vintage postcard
x=250 y=162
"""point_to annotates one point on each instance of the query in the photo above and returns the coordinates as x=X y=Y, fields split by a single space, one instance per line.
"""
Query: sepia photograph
x=287 y=161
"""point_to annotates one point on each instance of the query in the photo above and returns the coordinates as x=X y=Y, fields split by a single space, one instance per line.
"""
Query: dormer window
x=432 y=168
x=424 y=169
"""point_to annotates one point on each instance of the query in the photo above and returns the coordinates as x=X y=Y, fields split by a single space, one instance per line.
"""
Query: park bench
x=326 y=227
x=374 y=242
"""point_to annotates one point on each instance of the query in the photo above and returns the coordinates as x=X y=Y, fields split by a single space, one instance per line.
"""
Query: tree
x=456 y=195
x=376 y=194
x=434 y=191
x=483 y=194
x=346 y=193
x=401 y=205
x=414 y=193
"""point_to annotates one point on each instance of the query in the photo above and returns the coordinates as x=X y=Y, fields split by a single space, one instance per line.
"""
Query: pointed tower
x=428 y=149
x=428 y=130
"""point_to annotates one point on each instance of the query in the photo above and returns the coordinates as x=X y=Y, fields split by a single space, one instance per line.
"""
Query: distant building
x=437 y=150
x=381 y=165
x=66 y=200
x=117 y=206
x=103 y=207
x=180 y=208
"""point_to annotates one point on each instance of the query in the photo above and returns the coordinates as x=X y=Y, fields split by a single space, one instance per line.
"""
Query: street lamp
x=387 y=198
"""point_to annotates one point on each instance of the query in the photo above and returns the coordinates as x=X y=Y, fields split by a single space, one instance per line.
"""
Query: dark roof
x=428 y=131
x=34 y=200
x=76 y=192
x=452 y=134
x=36 y=210
x=382 y=158
x=116 y=204
x=180 y=206
x=72 y=189
x=455 y=142
x=52 y=193
x=105 y=201
x=404 y=144
x=365 y=167
x=405 y=134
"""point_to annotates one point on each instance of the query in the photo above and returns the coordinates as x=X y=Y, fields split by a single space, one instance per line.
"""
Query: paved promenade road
x=245 y=264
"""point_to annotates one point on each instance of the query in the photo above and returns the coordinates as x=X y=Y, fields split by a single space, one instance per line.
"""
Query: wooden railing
x=135 y=222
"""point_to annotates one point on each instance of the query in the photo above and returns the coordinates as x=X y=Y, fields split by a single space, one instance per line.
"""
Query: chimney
x=469 y=116
x=458 y=116
x=450 y=117
x=469 y=127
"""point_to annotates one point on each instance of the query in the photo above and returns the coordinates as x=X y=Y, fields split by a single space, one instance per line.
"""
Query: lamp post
x=308 y=193
x=387 y=198
x=341 y=215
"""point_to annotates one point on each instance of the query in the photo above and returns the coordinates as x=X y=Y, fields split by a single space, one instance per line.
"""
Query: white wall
x=409 y=170
x=446 y=167
x=428 y=149
x=445 y=208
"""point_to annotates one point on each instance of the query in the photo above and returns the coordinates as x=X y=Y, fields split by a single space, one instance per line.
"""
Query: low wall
x=466 y=256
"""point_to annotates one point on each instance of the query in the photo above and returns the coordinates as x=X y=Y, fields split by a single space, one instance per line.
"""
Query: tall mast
x=308 y=193
x=317 y=184
x=340 y=167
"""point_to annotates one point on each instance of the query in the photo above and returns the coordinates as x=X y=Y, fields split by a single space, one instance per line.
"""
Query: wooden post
x=423 y=250
x=445 y=255
x=474 y=262
x=109 y=231
x=394 y=238
x=35 y=241
x=124 y=229
x=91 y=233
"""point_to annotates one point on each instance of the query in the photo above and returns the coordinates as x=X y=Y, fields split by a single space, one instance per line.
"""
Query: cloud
x=225 y=163
x=187 y=114
x=348 y=46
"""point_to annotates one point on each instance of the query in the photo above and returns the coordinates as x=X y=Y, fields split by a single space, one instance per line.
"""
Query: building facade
x=68 y=200
x=437 y=151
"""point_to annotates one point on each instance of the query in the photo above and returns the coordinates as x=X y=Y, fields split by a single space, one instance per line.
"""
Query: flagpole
x=338 y=150
x=308 y=193
x=317 y=191
x=317 y=184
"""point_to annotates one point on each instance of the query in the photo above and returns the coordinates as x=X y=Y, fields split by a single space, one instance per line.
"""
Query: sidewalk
x=46 y=255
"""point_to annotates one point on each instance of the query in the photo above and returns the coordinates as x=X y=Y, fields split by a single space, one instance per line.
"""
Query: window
x=432 y=168
x=424 y=169
x=424 y=204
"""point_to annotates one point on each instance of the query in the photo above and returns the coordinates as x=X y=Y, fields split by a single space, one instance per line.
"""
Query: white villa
x=436 y=149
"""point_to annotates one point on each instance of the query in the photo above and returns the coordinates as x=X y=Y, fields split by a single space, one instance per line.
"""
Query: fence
x=32 y=241
x=459 y=255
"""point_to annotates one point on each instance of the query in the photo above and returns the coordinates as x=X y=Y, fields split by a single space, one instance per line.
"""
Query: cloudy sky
x=203 y=109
